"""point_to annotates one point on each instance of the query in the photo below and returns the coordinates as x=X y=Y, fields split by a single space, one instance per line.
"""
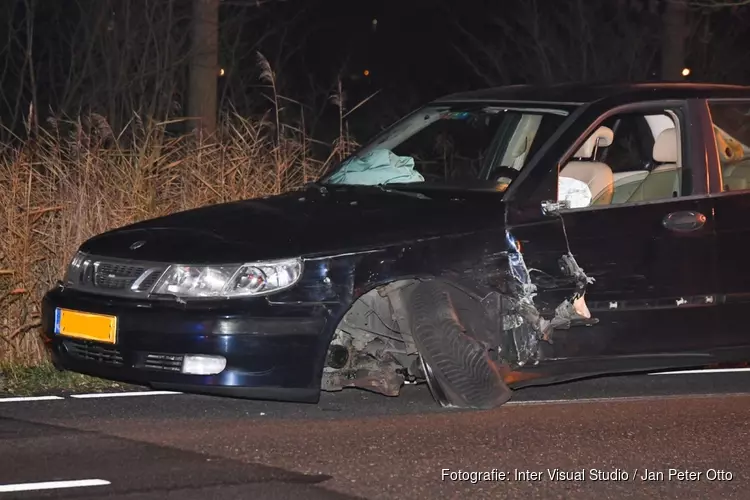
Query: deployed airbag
x=574 y=191
x=380 y=166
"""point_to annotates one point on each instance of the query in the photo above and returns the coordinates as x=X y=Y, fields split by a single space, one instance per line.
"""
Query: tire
x=452 y=333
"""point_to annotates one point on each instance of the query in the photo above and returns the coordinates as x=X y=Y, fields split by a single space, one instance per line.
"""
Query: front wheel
x=452 y=334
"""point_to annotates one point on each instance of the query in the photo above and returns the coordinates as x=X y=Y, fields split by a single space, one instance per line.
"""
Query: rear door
x=651 y=253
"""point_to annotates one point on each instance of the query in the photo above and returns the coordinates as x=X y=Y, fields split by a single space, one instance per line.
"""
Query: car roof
x=578 y=93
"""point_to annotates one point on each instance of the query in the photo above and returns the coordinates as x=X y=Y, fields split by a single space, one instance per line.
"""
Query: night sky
x=412 y=50
x=411 y=39
x=394 y=41
x=430 y=46
x=403 y=51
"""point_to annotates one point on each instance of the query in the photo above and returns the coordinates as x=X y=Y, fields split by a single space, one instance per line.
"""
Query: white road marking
x=52 y=485
x=707 y=370
x=122 y=394
x=29 y=398
x=625 y=399
x=550 y=401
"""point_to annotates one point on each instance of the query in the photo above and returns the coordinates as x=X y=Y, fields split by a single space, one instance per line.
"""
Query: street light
x=685 y=71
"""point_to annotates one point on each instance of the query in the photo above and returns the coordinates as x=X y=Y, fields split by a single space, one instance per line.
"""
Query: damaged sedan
x=488 y=241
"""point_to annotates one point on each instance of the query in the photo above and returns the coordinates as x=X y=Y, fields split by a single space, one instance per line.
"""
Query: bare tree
x=204 y=65
x=563 y=41
x=673 y=38
x=612 y=40
x=718 y=4
x=698 y=30
x=109 y=57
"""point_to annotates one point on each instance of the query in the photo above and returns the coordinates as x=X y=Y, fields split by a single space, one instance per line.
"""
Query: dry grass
x=73 y=179
x=43 y=378
x=78 y=178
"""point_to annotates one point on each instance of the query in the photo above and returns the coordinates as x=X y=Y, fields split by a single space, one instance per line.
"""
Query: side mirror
x=550 y=207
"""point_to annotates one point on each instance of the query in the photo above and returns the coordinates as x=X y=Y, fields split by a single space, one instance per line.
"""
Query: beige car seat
x=664 y=181
x=596 y=175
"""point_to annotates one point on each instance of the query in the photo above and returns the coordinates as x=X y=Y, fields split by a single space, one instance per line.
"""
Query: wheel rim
x=433 y=384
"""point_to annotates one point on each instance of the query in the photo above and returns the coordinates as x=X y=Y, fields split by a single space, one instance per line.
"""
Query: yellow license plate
x=88 y=326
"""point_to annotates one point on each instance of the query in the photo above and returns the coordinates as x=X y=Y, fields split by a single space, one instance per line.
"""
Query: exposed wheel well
x=372 y=347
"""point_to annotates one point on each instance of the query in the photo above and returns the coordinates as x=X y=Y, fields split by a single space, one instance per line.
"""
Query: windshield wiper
x=412 y=194
x=321 y=188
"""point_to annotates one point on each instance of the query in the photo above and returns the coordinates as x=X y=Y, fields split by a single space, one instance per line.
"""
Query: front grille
x=115 y=276
x=93 y=351
x=163 y=362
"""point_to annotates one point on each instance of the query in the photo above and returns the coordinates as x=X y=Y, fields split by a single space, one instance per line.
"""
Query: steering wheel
x=509 y=173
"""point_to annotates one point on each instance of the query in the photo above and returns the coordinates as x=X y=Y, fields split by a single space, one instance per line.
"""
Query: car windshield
x=463 y=147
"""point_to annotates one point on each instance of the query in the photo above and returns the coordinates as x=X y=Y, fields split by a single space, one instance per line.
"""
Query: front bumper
x=273 y=352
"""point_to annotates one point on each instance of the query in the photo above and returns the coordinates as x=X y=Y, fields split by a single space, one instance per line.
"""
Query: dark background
x=117 y=57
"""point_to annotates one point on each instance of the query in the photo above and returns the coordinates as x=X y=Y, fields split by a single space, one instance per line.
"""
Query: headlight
x=258 y=278
x=73 y=272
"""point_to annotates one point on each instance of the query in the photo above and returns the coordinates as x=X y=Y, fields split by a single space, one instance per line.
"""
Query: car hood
x=300 y=223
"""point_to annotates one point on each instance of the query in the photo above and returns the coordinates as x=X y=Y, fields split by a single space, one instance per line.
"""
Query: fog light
x=203 y=365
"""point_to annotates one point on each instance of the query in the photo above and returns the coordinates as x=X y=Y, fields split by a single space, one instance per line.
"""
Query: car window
x=731 y=124
x=631 y=157
x=455 y=147
x=632 y=144
x=479 y=146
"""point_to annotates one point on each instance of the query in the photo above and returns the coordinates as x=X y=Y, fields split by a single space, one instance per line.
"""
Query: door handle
x=683 y=222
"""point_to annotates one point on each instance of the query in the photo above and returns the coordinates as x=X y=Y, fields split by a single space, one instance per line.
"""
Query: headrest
x=521 y=147
x=602 y=138
x=665 y=146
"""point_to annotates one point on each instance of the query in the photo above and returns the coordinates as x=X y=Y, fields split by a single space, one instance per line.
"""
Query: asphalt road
x=360 y=445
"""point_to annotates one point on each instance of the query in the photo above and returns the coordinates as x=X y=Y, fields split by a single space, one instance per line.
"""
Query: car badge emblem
x=137 y=245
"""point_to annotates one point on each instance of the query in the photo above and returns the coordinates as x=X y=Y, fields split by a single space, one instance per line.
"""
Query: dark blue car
x=488 y=241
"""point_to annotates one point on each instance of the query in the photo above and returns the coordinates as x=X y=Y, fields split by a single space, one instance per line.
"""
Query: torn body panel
x=375 y=334
x=524 y=319
x=373 y=347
